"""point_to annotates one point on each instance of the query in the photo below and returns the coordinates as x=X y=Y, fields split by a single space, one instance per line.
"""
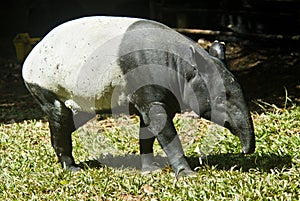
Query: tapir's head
x=229 y=103
x=227 y=106
x=236 y=116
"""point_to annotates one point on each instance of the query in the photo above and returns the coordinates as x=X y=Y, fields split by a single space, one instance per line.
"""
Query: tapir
x=101 y=64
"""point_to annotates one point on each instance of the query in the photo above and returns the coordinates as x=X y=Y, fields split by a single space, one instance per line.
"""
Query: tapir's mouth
x=248 y=151
x=249 y=148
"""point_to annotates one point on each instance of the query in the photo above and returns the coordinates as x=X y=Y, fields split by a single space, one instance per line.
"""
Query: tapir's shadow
x=130 y=161
x=264 y=162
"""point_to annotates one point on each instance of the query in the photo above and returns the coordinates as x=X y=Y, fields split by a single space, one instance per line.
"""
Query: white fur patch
x=74 y=56
x=73 y=106
x=57 y=105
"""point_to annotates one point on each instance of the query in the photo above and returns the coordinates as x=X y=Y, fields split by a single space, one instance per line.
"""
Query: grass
x=30 y=171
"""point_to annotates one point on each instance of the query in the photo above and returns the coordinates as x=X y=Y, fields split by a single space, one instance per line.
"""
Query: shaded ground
x=264 y=73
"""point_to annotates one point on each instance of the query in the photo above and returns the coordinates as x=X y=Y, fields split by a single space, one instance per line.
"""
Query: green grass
x=30 y=171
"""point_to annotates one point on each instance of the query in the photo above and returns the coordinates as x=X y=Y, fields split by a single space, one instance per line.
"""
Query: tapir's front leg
x=146 y=149
x=162 y=126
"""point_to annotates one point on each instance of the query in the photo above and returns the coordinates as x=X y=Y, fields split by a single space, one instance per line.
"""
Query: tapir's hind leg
x=61 y=125
x=61 y=128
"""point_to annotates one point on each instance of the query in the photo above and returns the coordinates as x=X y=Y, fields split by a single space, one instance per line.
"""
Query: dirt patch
x=265 y=73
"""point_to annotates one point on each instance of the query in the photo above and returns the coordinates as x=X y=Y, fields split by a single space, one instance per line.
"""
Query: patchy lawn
x=30 y=171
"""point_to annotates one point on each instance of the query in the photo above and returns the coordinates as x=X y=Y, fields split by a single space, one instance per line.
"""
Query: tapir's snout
x=241 y=125
x=247 y=137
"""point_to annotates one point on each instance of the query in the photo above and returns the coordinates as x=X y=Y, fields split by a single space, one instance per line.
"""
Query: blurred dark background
x=37 y=17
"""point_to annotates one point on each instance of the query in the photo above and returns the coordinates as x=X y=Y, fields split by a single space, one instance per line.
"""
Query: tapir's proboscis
x=135 y=66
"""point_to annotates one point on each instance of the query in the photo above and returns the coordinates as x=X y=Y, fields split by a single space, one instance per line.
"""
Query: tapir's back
x=82 y=57
x=61 y=56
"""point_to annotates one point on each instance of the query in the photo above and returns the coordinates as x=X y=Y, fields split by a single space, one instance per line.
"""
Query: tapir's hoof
x=154 y=167
x=73 y=168
x=185 y=173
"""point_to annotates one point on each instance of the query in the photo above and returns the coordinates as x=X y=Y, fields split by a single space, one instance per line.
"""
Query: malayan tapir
x=98 y=64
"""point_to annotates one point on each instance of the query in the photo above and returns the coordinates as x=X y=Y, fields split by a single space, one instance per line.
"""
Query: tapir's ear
x=192 y=55
x=218 y=50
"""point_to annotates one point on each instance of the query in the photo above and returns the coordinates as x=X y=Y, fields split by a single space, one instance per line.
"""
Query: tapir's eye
x=221 y=99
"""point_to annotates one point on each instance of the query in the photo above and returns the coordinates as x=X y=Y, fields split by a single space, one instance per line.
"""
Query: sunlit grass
x=30 y=171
